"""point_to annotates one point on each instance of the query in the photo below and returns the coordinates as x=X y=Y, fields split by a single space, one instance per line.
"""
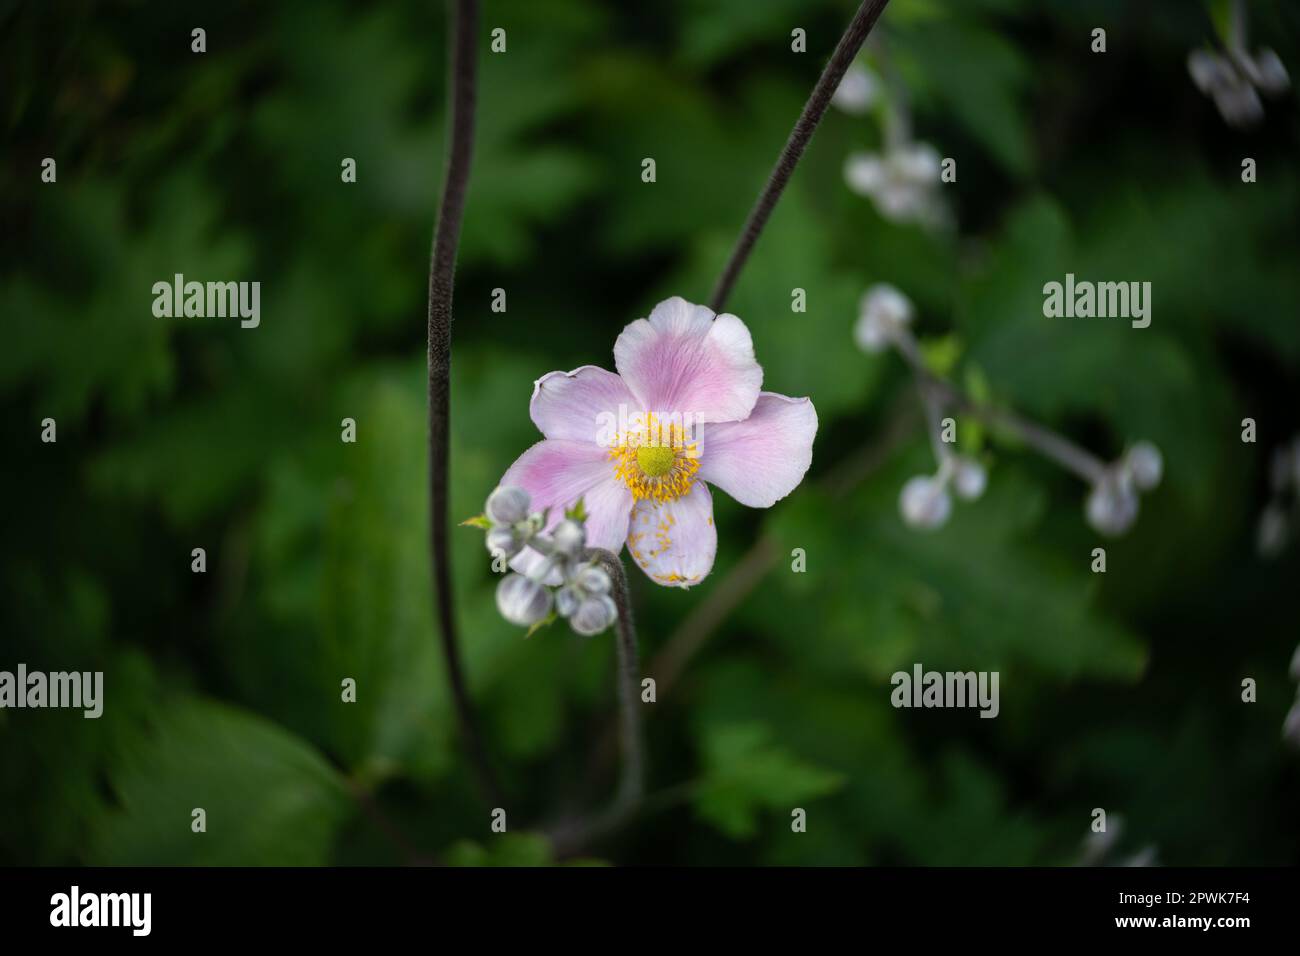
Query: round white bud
x=857 y=91
x=522 y=600
x=871 y=334
x=1208 y=70
x=1145 y=464
x=1271 y=535
x=864 y=173
x=507 y=505
x=924 y=502
x=594 y=615
x=567 y=600
x=508 y=541
x=1270 y=73
x=593 y=580
x=569 y=538
x=1239 y=104
x=970 y=479
x=918 y=162
x=1112 y=506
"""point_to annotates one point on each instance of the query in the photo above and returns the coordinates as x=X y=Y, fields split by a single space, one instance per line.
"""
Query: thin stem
x=366 y=801
x=570 y=835
x=462 y=56
x=1046 y=442
x=804 y=128
x=1236 y=39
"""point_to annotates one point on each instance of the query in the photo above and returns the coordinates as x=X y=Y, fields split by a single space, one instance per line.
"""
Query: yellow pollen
x=655 y=460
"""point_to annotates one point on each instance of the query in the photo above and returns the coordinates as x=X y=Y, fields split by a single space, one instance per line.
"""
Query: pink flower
x=638 y=448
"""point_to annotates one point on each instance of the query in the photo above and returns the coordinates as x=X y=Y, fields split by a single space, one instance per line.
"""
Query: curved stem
x=570 y=835
x=1046 y=442
x=804 y=127
x=463 y=49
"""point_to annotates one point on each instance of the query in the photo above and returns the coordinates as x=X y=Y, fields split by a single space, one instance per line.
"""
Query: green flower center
x=655 y=460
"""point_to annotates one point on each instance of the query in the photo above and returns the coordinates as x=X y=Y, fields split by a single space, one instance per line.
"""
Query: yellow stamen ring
x=655 y=461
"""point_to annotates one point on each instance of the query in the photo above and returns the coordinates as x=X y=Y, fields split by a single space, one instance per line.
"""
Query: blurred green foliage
x=223 y=690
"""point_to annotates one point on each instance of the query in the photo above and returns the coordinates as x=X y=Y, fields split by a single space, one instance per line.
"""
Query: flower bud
x=509 y=541
x=918 y=162
x=871 y=334
x=1269 y=73
x=593 y=580
x=594 y=615
x=1208 y=70
x=970 y=479
x=1112 y=506
x=522 y=600
x=864 y=173
x=857 y=91
x=1239 y=104
x=567 y=600
x=1271 y=535
x=507 y=505
x=882 y=311
x=924 y=502
x=1145 y=463
x=569 y=538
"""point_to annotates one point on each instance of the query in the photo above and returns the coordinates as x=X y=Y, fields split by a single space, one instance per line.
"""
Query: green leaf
x=270 y=799
x=941 y=353
x=578 y=512
x=543 y=623
x=982 y=588
x=744 y=772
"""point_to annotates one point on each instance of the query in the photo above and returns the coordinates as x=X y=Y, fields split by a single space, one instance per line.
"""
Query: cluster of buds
x=903 y=182
x=1234 y=81
x=1112 y=505
x=925 y=502
x=903 y=179
x=885 y=318
x=1281 y=515
x=581 y=586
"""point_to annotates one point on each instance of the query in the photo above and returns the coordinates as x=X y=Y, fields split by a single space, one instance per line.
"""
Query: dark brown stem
x=804 y=128
x=570 y=835
x=462 y=56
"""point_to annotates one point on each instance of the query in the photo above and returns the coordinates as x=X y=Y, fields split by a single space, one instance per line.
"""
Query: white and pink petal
x=582 y=405
x=685 y=361
x=674 y=542
x=762 y=459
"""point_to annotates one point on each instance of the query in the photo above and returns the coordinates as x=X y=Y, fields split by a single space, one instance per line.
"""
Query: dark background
x=1119 y=691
